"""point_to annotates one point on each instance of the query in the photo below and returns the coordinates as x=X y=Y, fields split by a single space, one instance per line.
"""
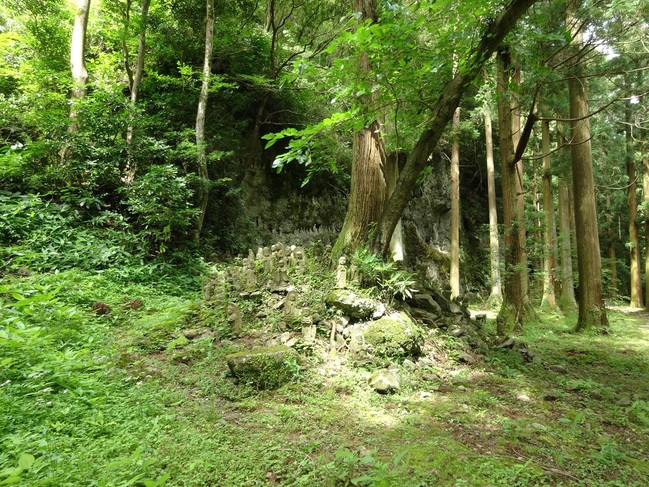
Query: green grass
x=119 y=399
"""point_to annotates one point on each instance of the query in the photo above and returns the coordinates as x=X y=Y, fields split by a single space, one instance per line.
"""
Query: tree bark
x=548 y=301
x=455 y=207
x=203 y=174
x=645 y=199
x=131 y=165
x=632 y=204
x=592 y=312
x=368 y=183
x=442 y=112
x=496 y=295
x=512 y=312
x=78 y=61
x=610 y=251
x=567 y=301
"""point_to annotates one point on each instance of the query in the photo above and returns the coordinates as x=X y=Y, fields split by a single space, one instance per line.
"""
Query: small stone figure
x=260 y=254
x=233 y=316
x=352 y=275
x=268 y=260
x=250 y=277
x=280 y=276
x=299 y=261
x=341 y=273
x=208 y=289
x=291 y=311
x=251 y=255
x=234 y=278
x=309 y=333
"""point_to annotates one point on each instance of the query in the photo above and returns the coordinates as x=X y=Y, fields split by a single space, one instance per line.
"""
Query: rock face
x=384 y=381
x=352 y=305
x=264 y=367
x=394 y=336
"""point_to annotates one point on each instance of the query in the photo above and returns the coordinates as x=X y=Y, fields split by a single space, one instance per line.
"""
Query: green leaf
x=26 y=461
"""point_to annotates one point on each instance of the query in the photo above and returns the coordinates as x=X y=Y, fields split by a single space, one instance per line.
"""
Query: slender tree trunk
x=645 y=199
x=610 y=251
x=368 y=184
x=78 y=61
x=632 y=204
x=455 y=207
x=548 y=301
x=592 y=312
x=512 y=312
x=567 y=301
x=496 y=296
x=397 y=249
x=449 y=100
x=203 y=175
x=131 y=166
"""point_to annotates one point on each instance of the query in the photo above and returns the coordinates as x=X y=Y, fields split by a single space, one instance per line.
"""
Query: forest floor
x=118 y=399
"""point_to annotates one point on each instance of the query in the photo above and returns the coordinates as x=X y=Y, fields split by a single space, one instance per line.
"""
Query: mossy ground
x=142 y=412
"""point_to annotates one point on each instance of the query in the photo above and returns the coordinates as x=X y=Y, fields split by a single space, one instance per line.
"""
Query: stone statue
x=208 y=289
x=268 y=260
x=250 y=276
x=280 y=276
x=299 y=260
x=291 y=311
x=233 y=316
x=260 y=254
x=341 y=273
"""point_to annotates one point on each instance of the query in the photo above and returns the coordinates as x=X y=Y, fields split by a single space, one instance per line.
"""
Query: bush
x=161 y=203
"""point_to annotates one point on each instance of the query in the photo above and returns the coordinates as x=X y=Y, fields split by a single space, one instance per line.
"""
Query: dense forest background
x=239 y=240
x=133 y=168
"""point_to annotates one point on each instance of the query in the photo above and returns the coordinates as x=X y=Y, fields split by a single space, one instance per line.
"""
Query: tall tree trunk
x=520 y=189
x=449 y=100
x=78 y=61
x=592 y=312
x=645 y=200
x=567 y=301
x=203 y=174
x=548 y=301
x=496 y=295
x=368 y=184
x=131 y=166
x=610 y=251
x=512 y=312
x=455 y=207
x=632 y=204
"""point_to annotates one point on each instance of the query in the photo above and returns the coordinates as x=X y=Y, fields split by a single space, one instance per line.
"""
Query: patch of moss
x=394 y=336
x=264 y=367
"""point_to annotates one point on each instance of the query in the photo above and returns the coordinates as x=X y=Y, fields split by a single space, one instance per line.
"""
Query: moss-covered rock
x=351 y=304
x=264 y=367
x=394 y=336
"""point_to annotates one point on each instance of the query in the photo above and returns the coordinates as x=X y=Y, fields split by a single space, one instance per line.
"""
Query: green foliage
x=391 y=280
x=161 y=204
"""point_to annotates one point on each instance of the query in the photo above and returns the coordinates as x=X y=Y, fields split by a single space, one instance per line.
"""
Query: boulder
x=394 y=336
x=264 y=367
x=425 y=302
x=353 y=305
x=384 y=381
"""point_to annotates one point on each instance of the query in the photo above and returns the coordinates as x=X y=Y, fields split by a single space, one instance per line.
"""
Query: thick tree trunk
x=548 y=301
x=496 y=295
x=78 y=61
x=632 y=204
x=512 y=312
x=203 y=174
x=442 y=112
x=520 y=189
x=455 y=207
x=368 y=191
x=592 y=312
x=131 y=167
